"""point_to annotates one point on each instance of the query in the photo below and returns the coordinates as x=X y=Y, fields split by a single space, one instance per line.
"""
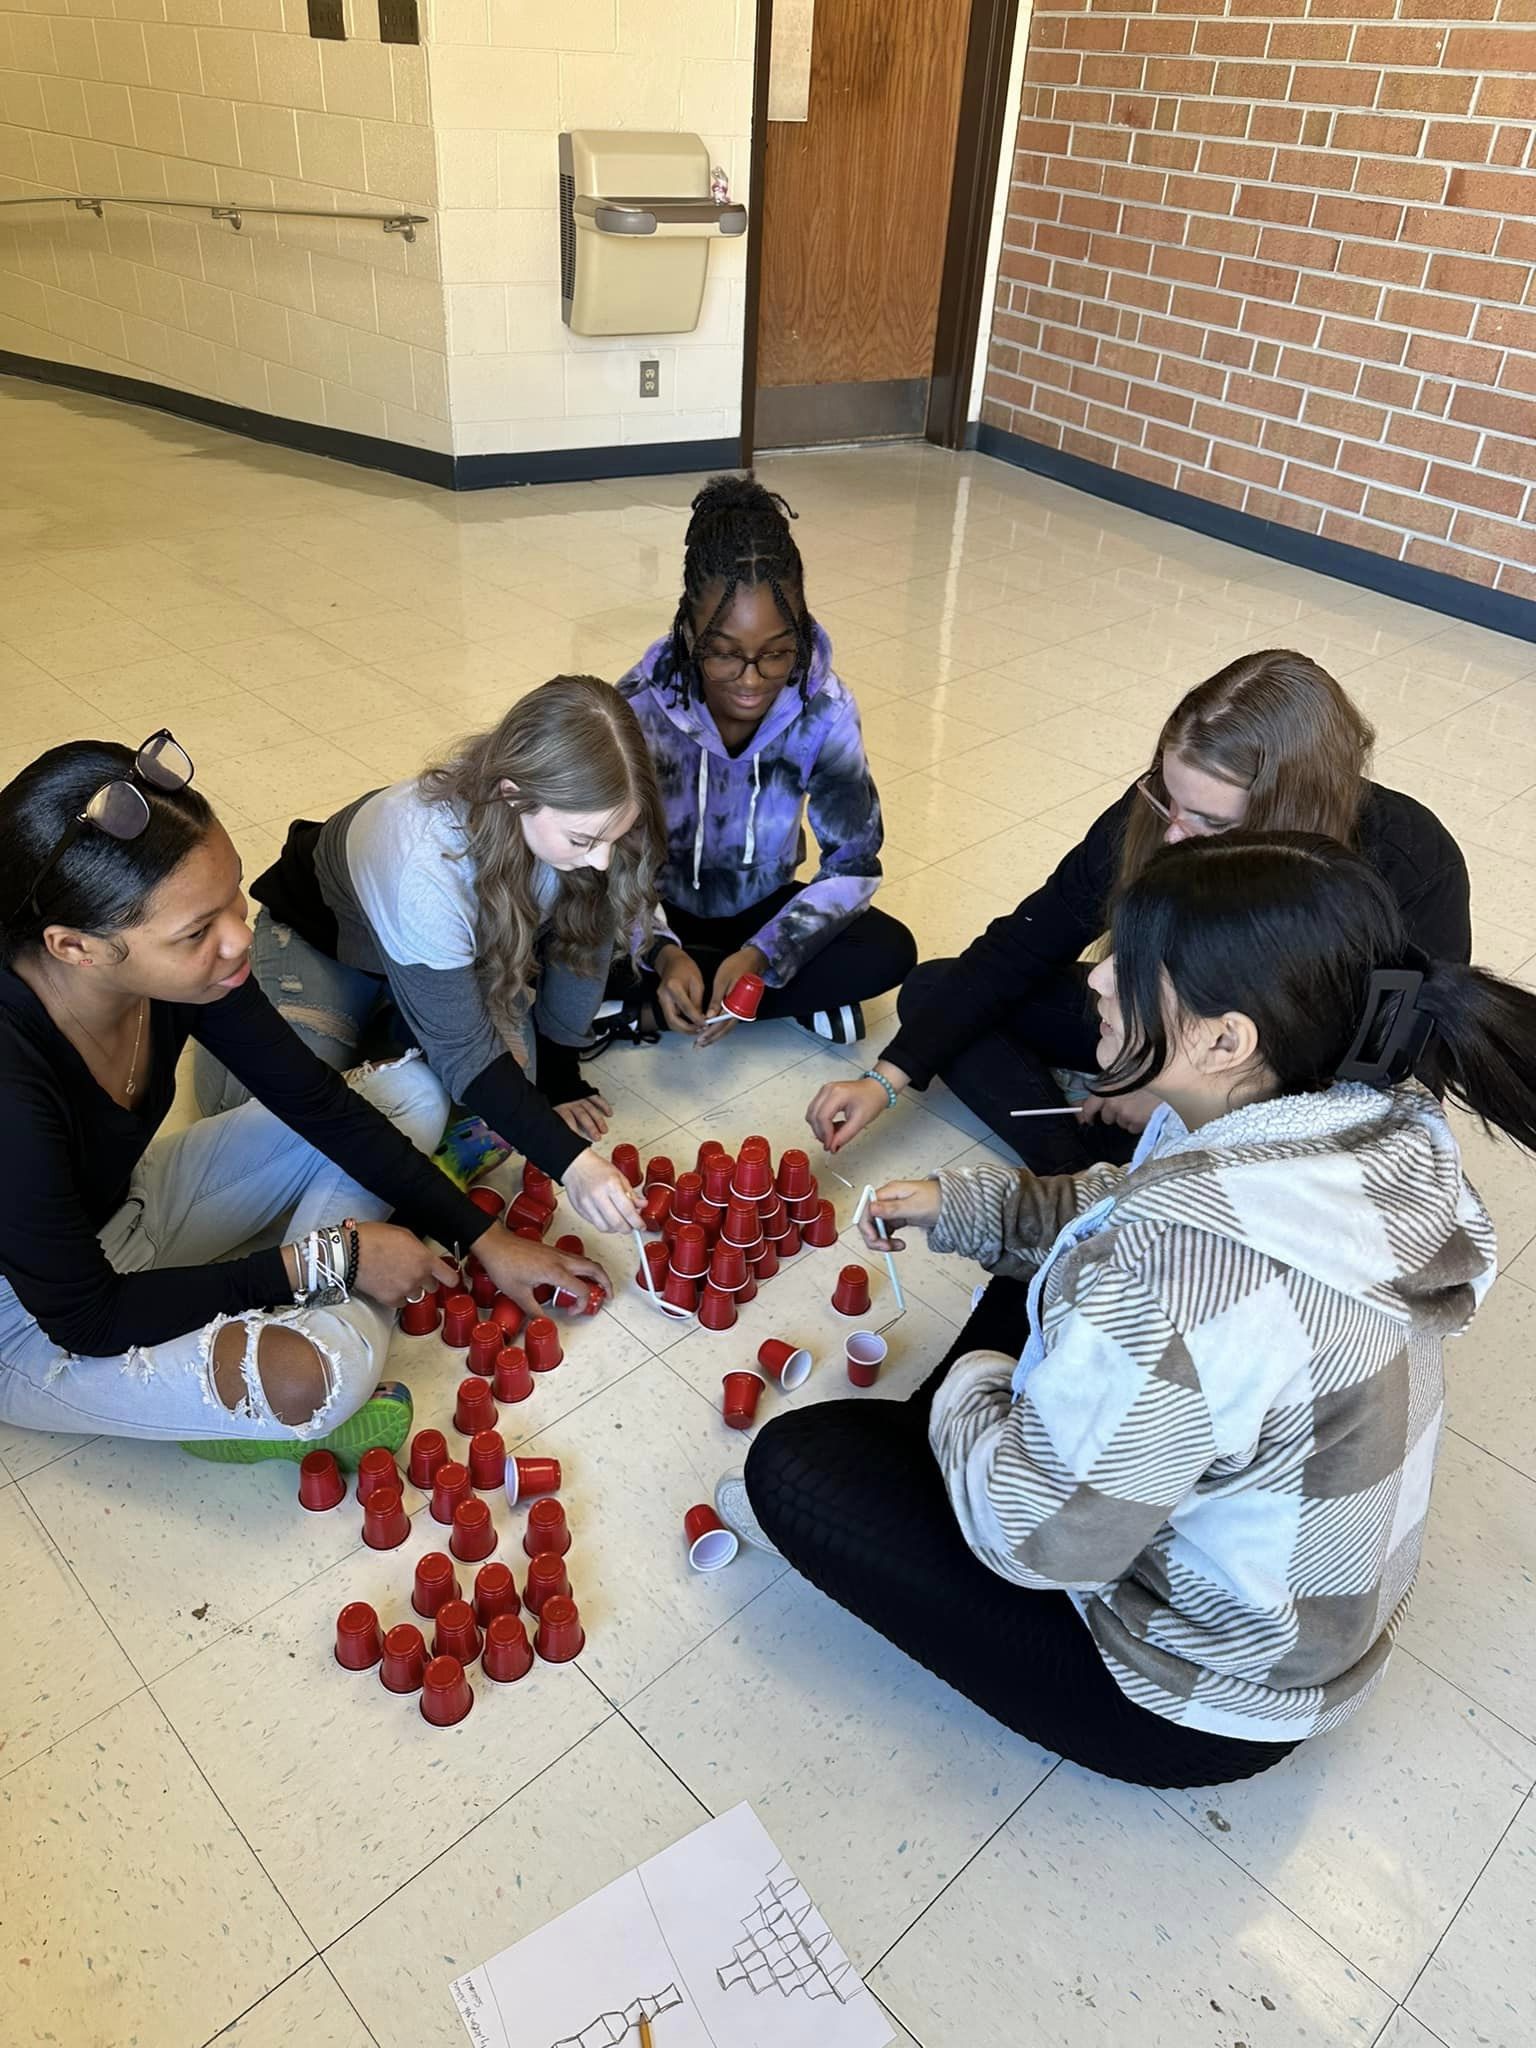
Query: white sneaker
x=735 y=1510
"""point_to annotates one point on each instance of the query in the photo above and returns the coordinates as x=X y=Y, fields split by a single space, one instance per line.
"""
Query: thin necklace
x=131 y=1087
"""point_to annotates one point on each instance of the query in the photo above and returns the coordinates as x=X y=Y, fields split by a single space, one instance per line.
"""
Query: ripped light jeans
x=328 y=1005
x=198 y=1196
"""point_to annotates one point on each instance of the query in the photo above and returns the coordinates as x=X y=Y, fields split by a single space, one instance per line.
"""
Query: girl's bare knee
x=292 y=1371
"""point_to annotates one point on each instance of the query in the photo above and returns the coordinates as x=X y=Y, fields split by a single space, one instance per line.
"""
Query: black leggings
x=1010 y=1068
x=870 y=954
x=851 y=1493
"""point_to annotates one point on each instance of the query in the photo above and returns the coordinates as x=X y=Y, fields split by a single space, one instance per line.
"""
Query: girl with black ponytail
x=1161 y=1506
x=749 y=728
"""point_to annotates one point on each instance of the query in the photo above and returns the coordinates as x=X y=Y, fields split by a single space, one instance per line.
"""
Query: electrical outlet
x=650 y=377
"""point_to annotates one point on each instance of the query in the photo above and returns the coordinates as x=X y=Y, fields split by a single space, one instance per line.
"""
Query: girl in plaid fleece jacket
x=1190 y=1493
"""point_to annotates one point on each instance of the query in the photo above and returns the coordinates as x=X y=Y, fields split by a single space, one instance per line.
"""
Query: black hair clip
x=1405 y=1041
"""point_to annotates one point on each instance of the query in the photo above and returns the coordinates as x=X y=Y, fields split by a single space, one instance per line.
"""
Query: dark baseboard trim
x=1457 y=599
x=368 y=451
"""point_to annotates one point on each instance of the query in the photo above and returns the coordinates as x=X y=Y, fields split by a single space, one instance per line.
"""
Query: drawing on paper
x=787 y=1946
x=610 y=2028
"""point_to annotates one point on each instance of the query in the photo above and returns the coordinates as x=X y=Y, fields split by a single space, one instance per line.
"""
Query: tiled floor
x=207 y=1826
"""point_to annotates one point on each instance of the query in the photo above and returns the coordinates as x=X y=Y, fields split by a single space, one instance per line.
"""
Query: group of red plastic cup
x=488 y=1626
x=727 y=1226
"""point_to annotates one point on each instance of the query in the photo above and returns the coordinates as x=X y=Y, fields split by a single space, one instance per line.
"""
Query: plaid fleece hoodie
x=734 y=831
x=1220 y=1437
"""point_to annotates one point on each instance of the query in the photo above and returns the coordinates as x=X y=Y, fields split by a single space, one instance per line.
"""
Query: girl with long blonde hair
x=476 y=909
x=1270 y=743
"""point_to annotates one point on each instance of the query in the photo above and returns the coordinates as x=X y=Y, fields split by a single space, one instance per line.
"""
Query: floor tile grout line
x=1472 y=1443
x=1418 y=1657
x=1471 y=1888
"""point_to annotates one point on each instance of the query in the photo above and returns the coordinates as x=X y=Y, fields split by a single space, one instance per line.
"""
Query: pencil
x=645 y=2032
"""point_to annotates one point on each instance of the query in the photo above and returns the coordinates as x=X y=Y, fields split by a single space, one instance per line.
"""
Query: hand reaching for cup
x=599 y=1193
x=911 y=1204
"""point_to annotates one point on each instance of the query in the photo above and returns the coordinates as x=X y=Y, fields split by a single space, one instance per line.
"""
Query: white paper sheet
x=714 y=1939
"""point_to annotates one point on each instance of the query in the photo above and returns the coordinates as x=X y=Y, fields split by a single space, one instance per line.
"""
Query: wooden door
x=855 y=204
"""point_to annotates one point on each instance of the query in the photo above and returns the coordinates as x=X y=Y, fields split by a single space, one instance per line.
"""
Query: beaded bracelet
x=869 y=1074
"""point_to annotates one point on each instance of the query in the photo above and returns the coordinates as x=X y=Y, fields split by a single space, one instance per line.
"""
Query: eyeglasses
x=777 y=666
x=1211 y=828
x=120 y=808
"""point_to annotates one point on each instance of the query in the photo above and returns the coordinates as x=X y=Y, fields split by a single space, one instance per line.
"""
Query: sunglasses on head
x=120 y=808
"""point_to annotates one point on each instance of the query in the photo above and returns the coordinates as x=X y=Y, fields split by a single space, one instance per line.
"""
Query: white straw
x=890 y=1267
x=864 y=1201
x=1066 y=1109
x=673 y=1315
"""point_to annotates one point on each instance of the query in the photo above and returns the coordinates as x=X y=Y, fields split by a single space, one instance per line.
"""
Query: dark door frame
x=983 y=113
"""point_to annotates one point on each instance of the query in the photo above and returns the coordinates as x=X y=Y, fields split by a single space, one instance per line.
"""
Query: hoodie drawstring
x=749 y=853
x=698 y=837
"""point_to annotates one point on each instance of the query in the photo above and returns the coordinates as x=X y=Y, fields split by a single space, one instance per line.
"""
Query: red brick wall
x=1282 y=254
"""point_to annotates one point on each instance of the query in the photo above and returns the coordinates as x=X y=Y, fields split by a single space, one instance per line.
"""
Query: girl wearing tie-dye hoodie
x=750 y=730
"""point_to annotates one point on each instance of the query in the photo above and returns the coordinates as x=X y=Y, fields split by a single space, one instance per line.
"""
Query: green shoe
x=381 y=1423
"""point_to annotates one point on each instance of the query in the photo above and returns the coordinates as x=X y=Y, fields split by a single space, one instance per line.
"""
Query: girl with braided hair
x=749 y=728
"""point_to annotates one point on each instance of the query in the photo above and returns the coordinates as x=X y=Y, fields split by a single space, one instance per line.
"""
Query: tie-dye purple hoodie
x=734 y=831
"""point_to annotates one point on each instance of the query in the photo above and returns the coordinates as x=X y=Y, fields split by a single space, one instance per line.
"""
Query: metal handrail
x=404 y=224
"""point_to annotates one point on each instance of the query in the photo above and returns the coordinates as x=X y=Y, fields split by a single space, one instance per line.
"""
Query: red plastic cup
x=385 y=1522
x=865 y=1353
x=359 y=1645
x=656 y=1265
x=536 y=1182
x=485 y=1340
x=541 y=1340
x=461 y=1319
x=728 y=1268
x=821 y=1231
x=717 y=1310
x=656 y=1207
x=445 y=1692
x=752 y=1182
x=418 y=1314
x=487 y=1460
x=487 y=1200
x=743 y=1391
x=627 y=1159
x=680 y=1294
x=474 y=1533
x=508 y=1654
x=507 y=1316
x=321 y=1485
x=748 y=1292
x=495 y=1593
x=547 y=1576
x=429 y=1451
x=711 y=1546
x=482 y=1288
x=587 y=1302
x=435 y=1582
x=743 y=996
x=528 y=1478
x=773 y=1216
x=528 y=1232
x=548 y=1532
x=660 y=1172
x=559 y=1636
x=850 y=1297
x=755 y=1146
x=448 y=1288
x=532 y=1211
x=789 y=1243
x=789 y=1364
x=742 y=1226
x=571 y=1243
x=512 y=1380
x=710 y=1216
x=449 y=1487
x=690 y=1254
x=719 y=1172
x=475 y=1407
x=404 y=1660
x=794 y=1178
x=766 y=1264
x=710 y=1149
x=803 y=1207
x=375 y=1471
x=455 y=1631
x=685 y=1196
